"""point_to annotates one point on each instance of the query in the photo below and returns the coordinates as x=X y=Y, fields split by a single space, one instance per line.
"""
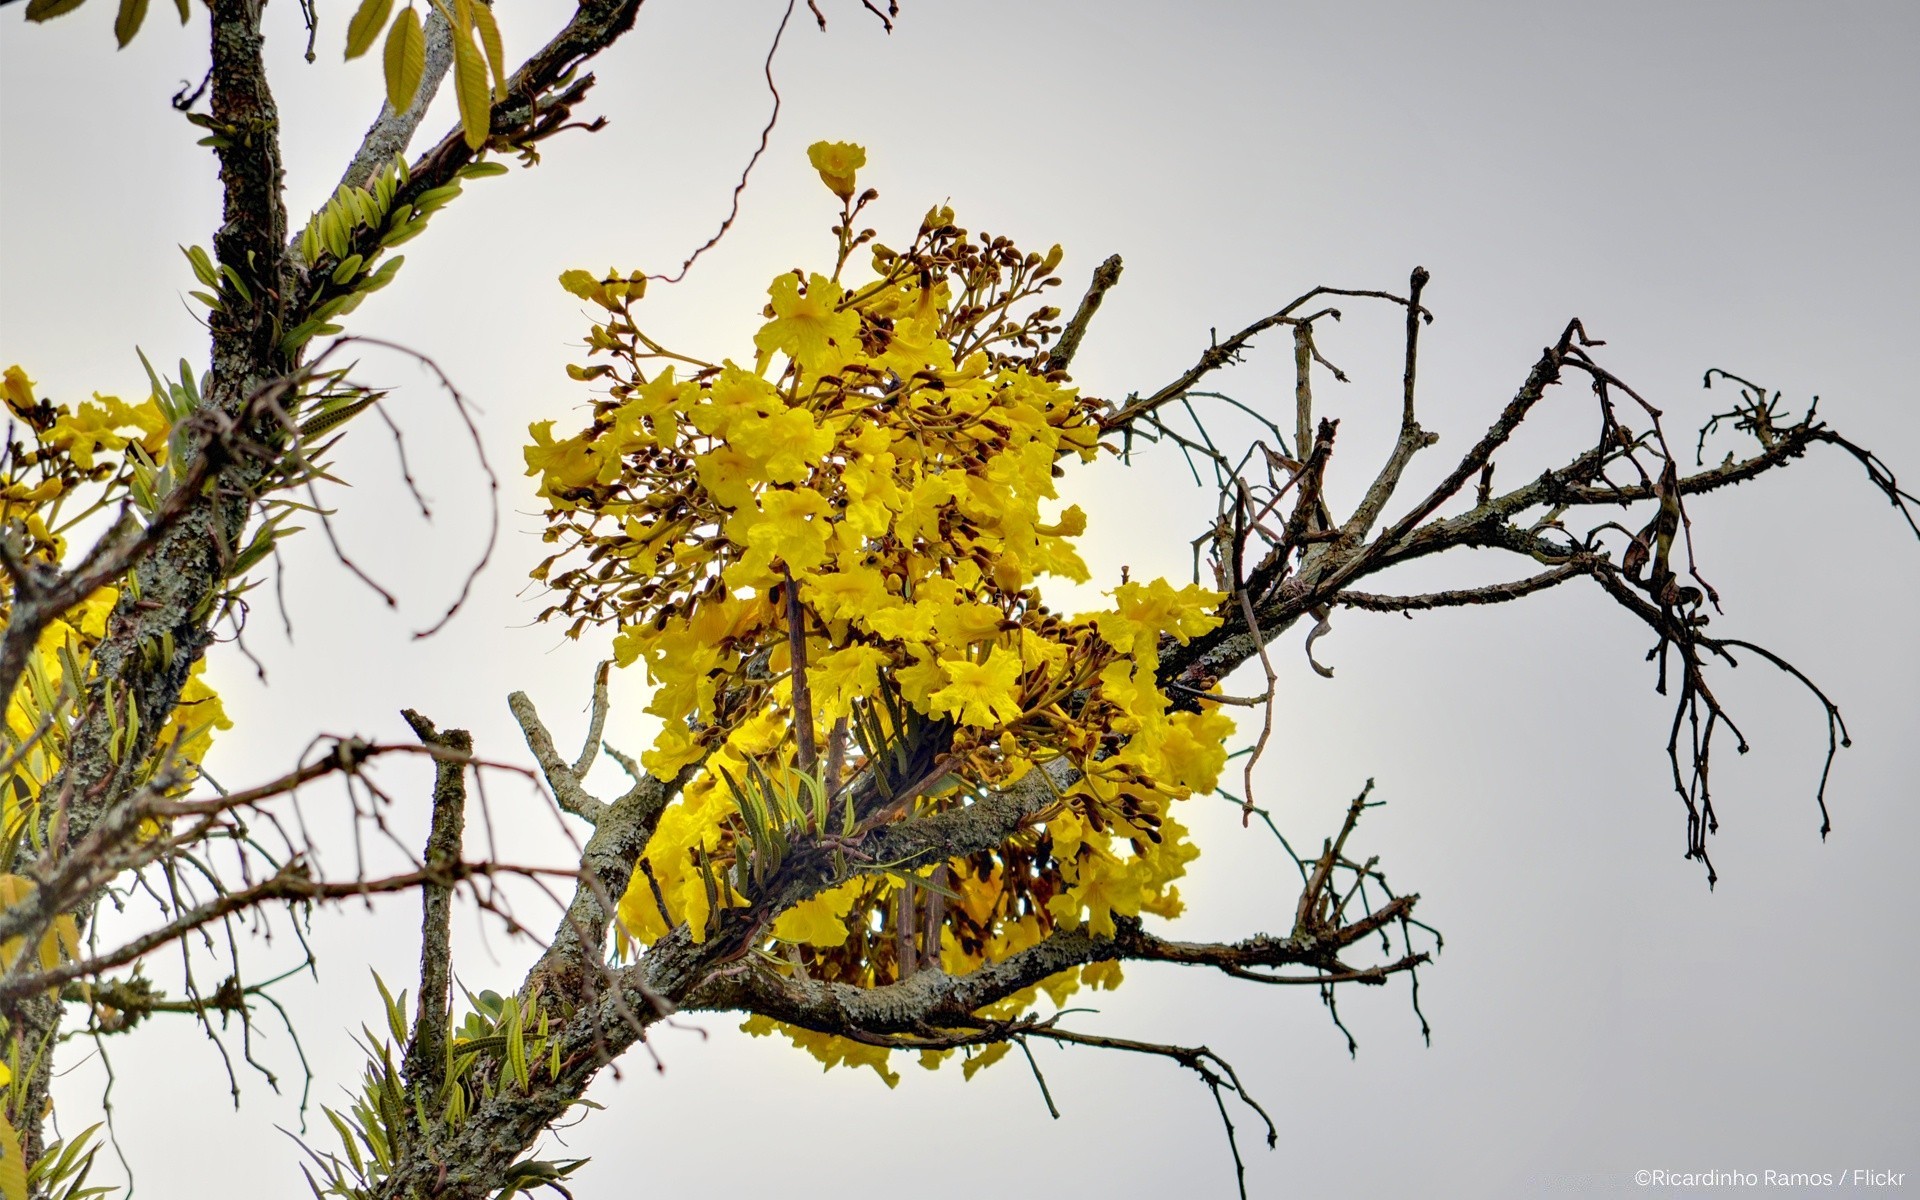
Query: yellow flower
x=565 y=468
x=95 y=427
x=1144 y=611
x=919 y=682
x=787 y=443
x=846 y=594
x=1195 y=749
x=830 y=1050
x=1106 y=886
x=17 y=390
x=676 y=746
x=836 y=162
x=843 y=676
x=736 y=395
x=807 y=326
x=821 y=921
x=727 y=475
x=982 y=693
x=649 y=417
x=789 y=526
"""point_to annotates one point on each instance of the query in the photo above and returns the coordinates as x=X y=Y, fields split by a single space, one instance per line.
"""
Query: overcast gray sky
x=1705 y=185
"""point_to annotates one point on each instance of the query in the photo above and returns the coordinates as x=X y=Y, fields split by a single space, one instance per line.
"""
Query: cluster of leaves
x=477 y=52
x=828 y=564
x=339 y=278
x=503 y=1046
x=127 y=19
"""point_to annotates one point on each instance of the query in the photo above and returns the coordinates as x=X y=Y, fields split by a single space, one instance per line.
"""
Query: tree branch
x=1104 y=277
x=426 y=1051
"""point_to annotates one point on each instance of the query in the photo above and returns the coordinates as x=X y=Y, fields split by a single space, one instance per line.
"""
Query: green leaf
x=333 y=232
x=127 y=23
x=366 y=25
x=187 y=386
x=481 y=170
x=516 y=1044
x=470 y=87
x=406 y=59
x=233 y=277
x=202 y=265
x=396 y=1009
x=335 y=415
x=403 y=234
x=47 y=10
x=490 y=41
x=366 y=210
x=434 y=199
x=348 y=268
x=383 y=276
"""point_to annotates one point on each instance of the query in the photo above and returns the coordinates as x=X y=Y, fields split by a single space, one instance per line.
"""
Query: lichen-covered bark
x=176 y=585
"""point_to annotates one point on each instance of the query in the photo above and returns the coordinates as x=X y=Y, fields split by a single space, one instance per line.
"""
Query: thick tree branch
x=426 y=1051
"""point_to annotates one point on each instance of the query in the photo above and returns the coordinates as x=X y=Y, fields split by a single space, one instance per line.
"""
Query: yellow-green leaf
x=489 y=32
x=47 y=10
x=470 y=86
x=366 y=25
x=125 y=25
x=186 y=13
x=406 y=59
x=13 y=1163
x=202 y=265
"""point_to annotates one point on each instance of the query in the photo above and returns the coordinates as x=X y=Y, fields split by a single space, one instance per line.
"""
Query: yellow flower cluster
x=46 y=489
x=828 y=564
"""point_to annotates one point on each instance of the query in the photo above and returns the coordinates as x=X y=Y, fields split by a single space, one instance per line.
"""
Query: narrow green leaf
x=470 y=87
x=366 y=25
x=489 y=32
x=403 y=233
x=396 y=1015
x=383 y=276
x=127 y=23
x=406 y=59
x=202 y=265
x=345 y=1131
x=366 y=209
x=516 y=1045
x=240 y=288
x=47 y=10
x=333 y=232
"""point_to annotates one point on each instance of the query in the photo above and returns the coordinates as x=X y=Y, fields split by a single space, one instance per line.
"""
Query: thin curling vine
x=828 y=563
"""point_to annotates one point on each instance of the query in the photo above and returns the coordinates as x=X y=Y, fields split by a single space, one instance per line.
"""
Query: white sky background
x=1715 y=185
